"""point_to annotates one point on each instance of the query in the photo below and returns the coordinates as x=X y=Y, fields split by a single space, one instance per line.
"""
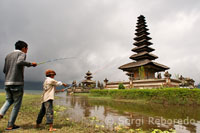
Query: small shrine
x=143 y=66
x=186 y=82
x=84 y=86
x=88 y=82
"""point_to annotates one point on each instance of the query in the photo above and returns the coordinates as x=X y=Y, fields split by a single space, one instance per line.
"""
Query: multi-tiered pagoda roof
x=88 y=79
x=143 y=55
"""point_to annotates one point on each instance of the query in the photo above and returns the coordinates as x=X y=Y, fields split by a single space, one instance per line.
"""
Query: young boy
x=49 y=89
x=14 y=82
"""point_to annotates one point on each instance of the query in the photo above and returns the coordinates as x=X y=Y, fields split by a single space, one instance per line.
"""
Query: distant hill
x=28 y=85
x=1 y=84
x=198 y=86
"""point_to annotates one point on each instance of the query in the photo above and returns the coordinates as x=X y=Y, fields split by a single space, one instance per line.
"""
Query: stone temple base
x=78 y=90
x=147 y=83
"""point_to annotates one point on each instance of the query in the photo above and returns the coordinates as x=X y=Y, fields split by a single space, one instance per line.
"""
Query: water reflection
x=183 y=119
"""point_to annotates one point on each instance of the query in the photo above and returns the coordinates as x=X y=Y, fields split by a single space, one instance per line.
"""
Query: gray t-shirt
x=14 y=68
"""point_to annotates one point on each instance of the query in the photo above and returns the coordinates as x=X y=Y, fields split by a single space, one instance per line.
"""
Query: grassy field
x=28 y=114
x=29 y=111
x=175 y=96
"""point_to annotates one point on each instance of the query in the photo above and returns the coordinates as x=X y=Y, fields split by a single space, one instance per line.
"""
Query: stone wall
x=147 y=83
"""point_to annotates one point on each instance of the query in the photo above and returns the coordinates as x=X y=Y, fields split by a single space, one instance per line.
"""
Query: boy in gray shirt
x=14 y=81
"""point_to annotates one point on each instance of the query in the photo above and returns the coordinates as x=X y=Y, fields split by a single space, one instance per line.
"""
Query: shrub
x=121 y=86
x=179 y=96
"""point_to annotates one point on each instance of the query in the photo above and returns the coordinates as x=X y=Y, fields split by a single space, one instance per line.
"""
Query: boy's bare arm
x=62 y=90
x=65 y=85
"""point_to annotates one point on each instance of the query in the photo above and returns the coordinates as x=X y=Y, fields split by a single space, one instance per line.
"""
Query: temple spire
x=143 y=56
x=142 y=42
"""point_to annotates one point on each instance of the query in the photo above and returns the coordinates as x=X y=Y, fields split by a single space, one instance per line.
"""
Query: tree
x=141 y=72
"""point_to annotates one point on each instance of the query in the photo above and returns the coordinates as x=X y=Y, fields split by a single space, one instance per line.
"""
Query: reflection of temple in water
x=81 y=102
x=136 y=115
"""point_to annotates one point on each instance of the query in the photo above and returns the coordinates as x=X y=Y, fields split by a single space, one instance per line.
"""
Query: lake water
x=27 y=91
x=29 y=87
x=182 y=119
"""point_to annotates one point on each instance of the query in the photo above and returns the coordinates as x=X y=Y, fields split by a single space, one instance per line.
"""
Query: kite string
x=52 y=60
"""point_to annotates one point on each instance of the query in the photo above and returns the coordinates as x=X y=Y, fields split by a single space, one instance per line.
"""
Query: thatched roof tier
x=106 y=80
x=142 y=48
x=88 y=81
x=141 y=18
x=143 y=32
x=88 y=73
x=129 y=67
x=142 y=42
x=140 y=26
x=143 y=55
x=143 y=36
x=143 y=24
x=141 y=21
x=88 y=77
x=129 y=74
x=141 y=29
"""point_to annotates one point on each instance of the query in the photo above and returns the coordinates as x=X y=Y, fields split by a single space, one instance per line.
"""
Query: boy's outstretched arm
x=62 y=90
x=65 y=85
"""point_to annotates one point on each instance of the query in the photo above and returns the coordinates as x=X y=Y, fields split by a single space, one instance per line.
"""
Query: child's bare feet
x=1 y=116
x=52 y=129
x=37 y=125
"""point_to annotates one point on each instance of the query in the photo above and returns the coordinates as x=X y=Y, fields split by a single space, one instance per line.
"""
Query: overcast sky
x=99 y=33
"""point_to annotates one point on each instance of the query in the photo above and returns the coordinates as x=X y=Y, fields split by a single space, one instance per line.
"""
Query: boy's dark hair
x=49 y=72
x=48 y=75
x=20 y=44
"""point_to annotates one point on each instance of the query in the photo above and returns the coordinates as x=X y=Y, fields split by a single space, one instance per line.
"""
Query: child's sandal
x=14 y=127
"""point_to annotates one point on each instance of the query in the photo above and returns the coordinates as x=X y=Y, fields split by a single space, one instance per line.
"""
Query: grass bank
x=172 y=96
x=28 y=114
x=110 y=99
x=29 y=111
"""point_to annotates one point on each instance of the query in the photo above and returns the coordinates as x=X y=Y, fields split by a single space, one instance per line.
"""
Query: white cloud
x=99 y=33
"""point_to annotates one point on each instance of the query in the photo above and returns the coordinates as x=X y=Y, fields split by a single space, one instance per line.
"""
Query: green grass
x=175 y=96
x=108 y=98
x=28 y=114
x=29 y=111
